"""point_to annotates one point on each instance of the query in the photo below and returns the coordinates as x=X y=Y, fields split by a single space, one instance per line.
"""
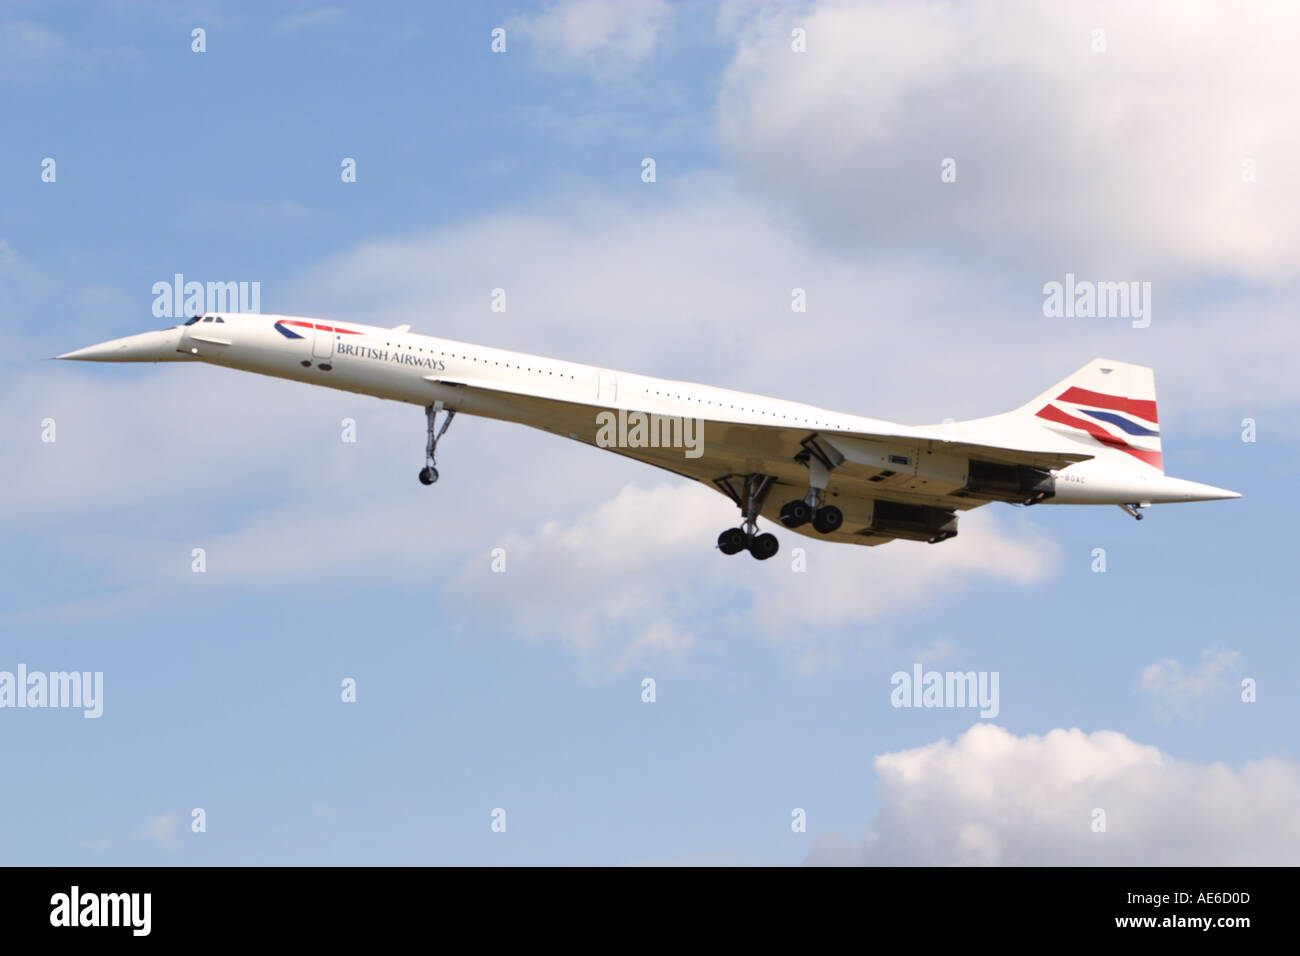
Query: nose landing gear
x=429 y=474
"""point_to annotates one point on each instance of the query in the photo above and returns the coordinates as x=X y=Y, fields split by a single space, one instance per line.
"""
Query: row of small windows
x=759 y=411
x=473 y=359
x=562 y=375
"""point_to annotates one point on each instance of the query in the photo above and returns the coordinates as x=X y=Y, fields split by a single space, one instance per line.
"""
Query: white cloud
x=150 y=464
x=608 y=37
x=844 y=589
x=993 y=798
x=691 y=280
x=321 y=16
x=625 y=584
x=26 y=48
x=155 y=460
x=1126 y=162
x=161 y=828
x=618 y=585
x=31 y=54
x=700 y=270
x=937 y=651
x=1175 y=692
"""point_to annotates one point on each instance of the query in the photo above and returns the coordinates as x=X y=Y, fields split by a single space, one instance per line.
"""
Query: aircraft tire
x=794 y=513
x=764 y=546
x=731 y=541
x=828 y=519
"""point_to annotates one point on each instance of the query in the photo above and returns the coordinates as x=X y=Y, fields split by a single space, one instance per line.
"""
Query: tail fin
x=1107 y=406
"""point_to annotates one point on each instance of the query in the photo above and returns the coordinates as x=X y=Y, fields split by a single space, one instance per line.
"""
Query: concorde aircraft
x=1091 y=439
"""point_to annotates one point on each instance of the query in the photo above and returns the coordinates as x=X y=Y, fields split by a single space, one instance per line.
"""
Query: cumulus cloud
x=626 y=583
x=607 y=37
x=994 y=798
x=1129 y=160
x=699 y=272
x=705 y=270
x=147 y=464
x=1175 y=692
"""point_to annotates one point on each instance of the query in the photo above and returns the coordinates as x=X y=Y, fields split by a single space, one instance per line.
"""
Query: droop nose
x=145 y=347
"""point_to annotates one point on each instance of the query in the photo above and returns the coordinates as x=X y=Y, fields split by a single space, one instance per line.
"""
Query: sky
x=309 y=658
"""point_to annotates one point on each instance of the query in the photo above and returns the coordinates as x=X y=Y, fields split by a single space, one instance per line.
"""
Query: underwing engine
x=1016 y=484
x=913 y=522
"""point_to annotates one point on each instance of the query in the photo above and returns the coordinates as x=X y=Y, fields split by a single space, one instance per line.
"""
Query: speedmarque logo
x=102 y=909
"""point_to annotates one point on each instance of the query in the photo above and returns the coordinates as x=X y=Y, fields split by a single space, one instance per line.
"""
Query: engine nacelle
x=1019 y=484
x=913 y=522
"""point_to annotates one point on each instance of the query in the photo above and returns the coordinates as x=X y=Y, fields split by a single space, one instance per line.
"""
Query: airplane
x=1091 y=439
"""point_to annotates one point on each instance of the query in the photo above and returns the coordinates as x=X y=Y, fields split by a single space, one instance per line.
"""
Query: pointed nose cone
x=145 y=347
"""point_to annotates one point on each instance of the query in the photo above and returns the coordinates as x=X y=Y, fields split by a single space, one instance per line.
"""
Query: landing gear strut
x=429 y=474
x=750 y=498
x=825 y=518
x=1133 y=510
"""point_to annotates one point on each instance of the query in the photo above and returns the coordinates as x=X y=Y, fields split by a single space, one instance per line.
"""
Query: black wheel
x=828 y=519
x=795 y=513
x=764 y=546
x=731 y=541
x=428 y=475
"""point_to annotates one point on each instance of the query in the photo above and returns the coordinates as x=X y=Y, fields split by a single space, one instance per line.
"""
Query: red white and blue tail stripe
x=1129 y=425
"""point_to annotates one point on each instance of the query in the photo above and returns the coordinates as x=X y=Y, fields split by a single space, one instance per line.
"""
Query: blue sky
x=819 y=170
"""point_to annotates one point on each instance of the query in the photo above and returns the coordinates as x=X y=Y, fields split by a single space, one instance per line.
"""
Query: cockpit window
x=193 y=320
x=220 y=319
x=207 y=318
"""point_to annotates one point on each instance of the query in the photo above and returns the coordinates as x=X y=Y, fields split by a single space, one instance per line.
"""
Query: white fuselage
x=402 y=366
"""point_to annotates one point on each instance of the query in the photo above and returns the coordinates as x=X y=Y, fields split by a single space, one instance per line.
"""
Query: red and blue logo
x=1135 y=418
x=280 y=326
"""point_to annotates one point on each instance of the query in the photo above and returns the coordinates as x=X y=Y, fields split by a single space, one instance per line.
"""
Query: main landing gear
x=750 y=498
x=429 y=474
x=1133 y=510
x=825 y=518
